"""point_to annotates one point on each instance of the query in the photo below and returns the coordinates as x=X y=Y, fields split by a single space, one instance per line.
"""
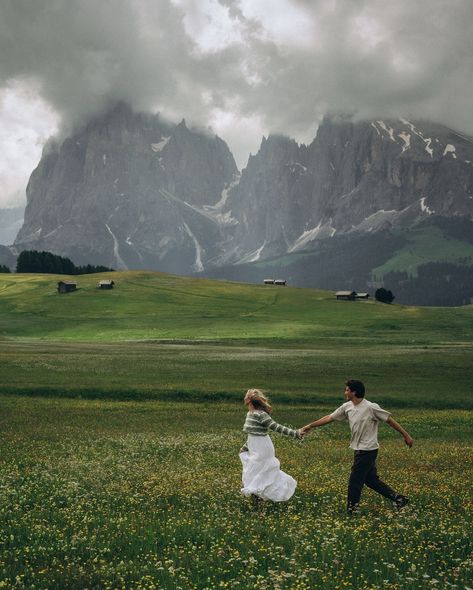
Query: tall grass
x=119 y=490
x=107 y=495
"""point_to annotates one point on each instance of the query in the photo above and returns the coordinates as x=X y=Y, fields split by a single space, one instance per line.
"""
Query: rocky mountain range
x=130 y=190
x=353 y=178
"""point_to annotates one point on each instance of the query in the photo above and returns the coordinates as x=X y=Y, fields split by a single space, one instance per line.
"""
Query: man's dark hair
x=357 y=387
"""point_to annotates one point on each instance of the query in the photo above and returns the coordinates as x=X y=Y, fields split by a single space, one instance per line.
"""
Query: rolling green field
x=121 y=419
x=157 y=336
x=154 y=306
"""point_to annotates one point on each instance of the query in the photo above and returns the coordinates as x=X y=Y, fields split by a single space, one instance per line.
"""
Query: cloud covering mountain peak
x=245 y=68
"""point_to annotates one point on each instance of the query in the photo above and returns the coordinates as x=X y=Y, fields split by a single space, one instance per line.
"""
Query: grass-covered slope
x=430 y=264
x=154 y=306
x=426 y=244
x=158 y=336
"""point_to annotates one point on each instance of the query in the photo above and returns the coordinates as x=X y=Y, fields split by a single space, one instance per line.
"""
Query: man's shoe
x=352 y=509
x=400 y=501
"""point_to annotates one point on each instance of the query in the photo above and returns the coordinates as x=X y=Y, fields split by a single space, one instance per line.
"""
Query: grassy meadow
x=121 y=423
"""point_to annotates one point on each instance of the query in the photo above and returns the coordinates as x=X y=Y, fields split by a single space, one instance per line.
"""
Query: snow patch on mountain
x=120 y=264
x=208 y=211
x=428 y=149
x=215 y=211
x=406 y=138
x=418 y=132
x=305 y=237
x=450 y=149
x=376 y=220
x=424 y=207
x=198 y=266
x=296 y=167
x=132 y=245
x=225 y=218
x=158 y=147
x=326 y=230
x=52 y=232
x=389 y=130
x=172 y=198
x=374 y=127
x=252 y=256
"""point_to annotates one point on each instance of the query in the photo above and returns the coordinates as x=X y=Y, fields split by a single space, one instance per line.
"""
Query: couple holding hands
x=262 y=476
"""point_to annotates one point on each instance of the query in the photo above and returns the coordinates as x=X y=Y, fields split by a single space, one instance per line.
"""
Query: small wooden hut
x=106 y=284
x=66 y=286
x=345 y=295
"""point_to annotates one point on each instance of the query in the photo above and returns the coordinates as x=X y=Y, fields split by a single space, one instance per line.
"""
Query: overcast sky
x=242 y=67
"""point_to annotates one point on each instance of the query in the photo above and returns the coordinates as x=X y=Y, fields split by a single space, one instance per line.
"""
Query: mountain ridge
x=130 y=190
x=123 y=191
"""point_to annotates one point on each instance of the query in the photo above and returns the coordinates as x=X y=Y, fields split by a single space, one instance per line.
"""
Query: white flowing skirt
x=262 y=475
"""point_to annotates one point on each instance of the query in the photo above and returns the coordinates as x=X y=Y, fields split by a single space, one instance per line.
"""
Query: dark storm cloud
x=84 y=54
x=372 y=58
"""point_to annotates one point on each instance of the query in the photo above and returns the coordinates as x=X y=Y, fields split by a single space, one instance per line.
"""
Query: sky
x=242 y=68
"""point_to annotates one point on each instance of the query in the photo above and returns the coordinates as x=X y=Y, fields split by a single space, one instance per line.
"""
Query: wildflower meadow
x=146 y=495
x=120 y=425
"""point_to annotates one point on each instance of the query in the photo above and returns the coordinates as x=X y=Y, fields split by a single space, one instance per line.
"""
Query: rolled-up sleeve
x=339 y=414
x=379 y=414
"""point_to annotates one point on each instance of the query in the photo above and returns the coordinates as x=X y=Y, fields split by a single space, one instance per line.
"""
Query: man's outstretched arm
x=407 y=437
x=320 y=422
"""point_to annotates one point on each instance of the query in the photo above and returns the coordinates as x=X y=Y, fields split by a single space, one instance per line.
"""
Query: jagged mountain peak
x=133 y=190
x=360 y=176
x=129 y=190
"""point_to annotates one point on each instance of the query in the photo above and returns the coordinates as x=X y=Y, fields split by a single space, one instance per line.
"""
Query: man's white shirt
x=363 y=419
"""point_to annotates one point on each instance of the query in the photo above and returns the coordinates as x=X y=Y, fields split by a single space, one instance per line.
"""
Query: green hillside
x=429 y=265
x=126 y=486
x=157 y=336
x=427 y=244
x=155 y=306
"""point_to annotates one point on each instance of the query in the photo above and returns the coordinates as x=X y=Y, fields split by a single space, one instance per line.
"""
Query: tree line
x=46 y=262
x=436 y=283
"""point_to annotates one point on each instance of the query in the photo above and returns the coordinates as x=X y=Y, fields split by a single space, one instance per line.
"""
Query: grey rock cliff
x=129 y=191
x=132 y=191
x=354 y=177
x=270 y=201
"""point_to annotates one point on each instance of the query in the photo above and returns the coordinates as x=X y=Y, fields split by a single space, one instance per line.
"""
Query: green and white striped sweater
x=259 y=422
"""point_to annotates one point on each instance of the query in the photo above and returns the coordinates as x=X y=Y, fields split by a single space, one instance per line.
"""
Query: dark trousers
x=364 y=472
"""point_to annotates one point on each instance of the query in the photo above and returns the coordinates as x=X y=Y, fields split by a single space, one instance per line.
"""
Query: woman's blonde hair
x=259 y=400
